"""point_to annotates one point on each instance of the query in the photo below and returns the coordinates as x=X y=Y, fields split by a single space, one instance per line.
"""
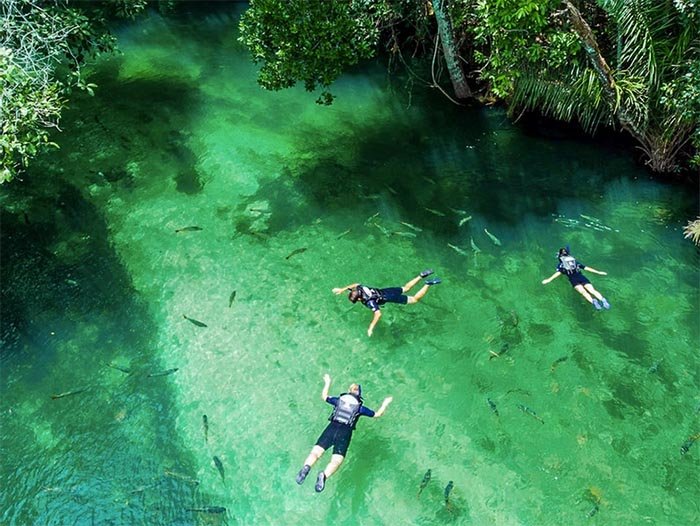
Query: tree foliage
x=43 y=47
x=312 y=41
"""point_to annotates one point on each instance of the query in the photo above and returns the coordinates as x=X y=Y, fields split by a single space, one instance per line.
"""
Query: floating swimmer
x=572 y=268
x=347 y=409
x=373 y=298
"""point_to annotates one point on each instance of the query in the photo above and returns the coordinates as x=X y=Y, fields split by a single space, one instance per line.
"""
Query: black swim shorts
x=577 y=279
x=336 y=435
x=393 y=295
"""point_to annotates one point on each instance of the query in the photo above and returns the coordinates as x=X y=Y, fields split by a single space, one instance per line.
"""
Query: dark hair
x=354 y=295
x=563 y=252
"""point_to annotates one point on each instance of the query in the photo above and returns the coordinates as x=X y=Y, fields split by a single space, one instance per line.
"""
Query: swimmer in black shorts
x=347 y=410
x=572 y=269
x=373 y=298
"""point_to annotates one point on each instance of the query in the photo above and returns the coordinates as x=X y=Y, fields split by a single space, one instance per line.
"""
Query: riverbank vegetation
x=633 y=65
x=44 y=46
x=629 y=65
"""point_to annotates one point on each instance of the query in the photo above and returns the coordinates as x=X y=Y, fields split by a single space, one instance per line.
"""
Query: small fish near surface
x=525 y=409
x=492 y=405
x=412 y=227
x=295 y=252
x=504 y=349
x=424 y=482
x=558 y=361
x=69 y=393
x=448 y=490
x=434 y=212
x=231 y=298
x=163 y=373
x=124 y=370
x=464 y=220
x=208 y=509
x=493 y=238
x=205 y=426
x=195 y=322
x=219 y=467
x=457 y=249
x=592 y=511
x=689 y=443
x=474 y=247
x=189 y=229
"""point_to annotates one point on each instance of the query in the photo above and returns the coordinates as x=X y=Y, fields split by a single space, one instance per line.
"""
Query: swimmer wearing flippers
x=347 y=409
x=373 y=298
x=572 y=269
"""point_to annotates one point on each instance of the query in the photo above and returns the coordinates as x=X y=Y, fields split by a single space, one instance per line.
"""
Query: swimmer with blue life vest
x=373 y=298
x=571 y=268
x=347 y=409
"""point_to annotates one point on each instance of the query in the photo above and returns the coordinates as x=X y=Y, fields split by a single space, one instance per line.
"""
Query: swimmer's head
x=564 y=251
x=355 y=389
x=354 y=295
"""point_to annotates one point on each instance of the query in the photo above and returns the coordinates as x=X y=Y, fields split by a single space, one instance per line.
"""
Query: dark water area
x=539 y=409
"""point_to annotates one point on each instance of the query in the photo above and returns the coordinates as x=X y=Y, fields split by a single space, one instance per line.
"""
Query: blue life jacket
x=347 y=410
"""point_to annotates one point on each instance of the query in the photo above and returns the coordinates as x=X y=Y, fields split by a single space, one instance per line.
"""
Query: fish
x=689 y=443
x=231 y=298
x=464 y=220
x=458 y=211
x=205 y=425
x=163 y=373
x=189 y=229
x=295 y=252
x=519 y=390
x=404 y=234
x=196 y=322
x=412 y=227
x=391 y=190
x=208 y=509
x=219 y=467
x=493 y=238
x=448 y=490
x=431 y=181
x=180 y=476
x=343 y=234
x=435 y=212
x=556 y=362
x=474 y=247
x=525 y=409
x=504 y=349
x=592 y=511
x=69 y=393
x=372 y=217
x=382 y=229
x=118 y=368
x=589 y=218
x=492 y=405
x=457 y=249
x=655 y=366
x=424 y=482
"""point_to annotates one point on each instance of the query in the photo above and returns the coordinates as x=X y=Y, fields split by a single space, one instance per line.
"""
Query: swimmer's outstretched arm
x=591 y=269
x=340 y=290
x=379 y=412
x=550 y=278
x=326 y=386
x=375 y=319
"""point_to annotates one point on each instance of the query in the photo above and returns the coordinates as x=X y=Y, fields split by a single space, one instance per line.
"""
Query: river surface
x=292 y=199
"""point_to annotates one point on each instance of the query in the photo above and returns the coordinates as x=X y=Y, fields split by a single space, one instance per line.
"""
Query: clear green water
x=179 y=135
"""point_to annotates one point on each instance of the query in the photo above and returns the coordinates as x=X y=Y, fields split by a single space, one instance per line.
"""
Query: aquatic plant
x=692 y=231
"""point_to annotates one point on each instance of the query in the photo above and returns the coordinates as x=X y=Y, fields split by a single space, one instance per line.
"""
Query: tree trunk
x=605 y=75
x=459 y=81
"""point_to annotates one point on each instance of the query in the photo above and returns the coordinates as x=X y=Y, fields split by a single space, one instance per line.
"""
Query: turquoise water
x=375 y=188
